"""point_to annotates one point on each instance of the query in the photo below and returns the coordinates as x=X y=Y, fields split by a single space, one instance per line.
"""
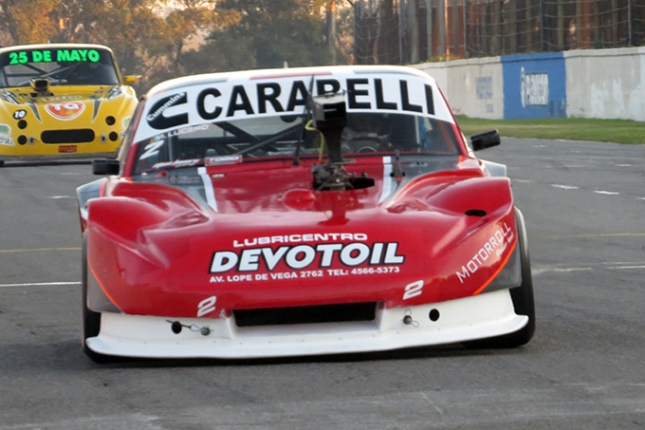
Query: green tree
x=271 y=33
x=161 y=39
x=188 y=23
x=134 y=29
x=21 y=24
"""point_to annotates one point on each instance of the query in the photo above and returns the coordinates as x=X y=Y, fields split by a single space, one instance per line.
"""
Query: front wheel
x=91 y=319
x=522 y=297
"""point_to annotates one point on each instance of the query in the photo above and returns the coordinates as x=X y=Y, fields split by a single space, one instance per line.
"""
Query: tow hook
x=177 y=327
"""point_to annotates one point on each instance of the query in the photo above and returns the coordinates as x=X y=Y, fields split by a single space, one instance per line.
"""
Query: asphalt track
x=585 y=368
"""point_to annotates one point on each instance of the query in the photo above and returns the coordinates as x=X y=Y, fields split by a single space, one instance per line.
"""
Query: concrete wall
x=606 y=83
x=472 y=87
x=603 y=83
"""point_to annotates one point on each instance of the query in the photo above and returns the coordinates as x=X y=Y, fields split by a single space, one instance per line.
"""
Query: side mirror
x=485 y=140
x=105 y=166
x=130 y=79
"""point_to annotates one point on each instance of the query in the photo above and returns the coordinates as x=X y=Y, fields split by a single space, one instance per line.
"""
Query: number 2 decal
x=152 y=149
x=206 y=306
x=412 y=290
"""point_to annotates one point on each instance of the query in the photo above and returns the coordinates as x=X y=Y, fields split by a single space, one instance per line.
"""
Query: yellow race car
x=62 y=100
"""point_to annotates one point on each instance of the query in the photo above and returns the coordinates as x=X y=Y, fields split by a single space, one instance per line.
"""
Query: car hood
x=27 y=94
x=64 y=103
x=264 y=238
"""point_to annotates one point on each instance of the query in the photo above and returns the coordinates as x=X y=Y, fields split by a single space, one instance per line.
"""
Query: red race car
x=301 y=211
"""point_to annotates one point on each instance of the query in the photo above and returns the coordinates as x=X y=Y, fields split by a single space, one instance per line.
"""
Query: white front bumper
x=476 y=317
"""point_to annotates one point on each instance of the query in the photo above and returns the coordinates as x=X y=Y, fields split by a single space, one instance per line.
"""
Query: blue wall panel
x=534 y=85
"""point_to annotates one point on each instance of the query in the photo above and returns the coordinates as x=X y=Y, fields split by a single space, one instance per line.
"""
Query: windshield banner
x=236 y=99
x=53 y=56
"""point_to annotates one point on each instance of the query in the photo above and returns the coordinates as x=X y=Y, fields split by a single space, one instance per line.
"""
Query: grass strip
x=598 y=130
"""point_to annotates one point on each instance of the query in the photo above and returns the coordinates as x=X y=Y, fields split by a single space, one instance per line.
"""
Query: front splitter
x=477 y=317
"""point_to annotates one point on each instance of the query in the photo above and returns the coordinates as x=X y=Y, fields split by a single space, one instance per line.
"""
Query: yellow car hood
x=64 y=103
x=64 y=119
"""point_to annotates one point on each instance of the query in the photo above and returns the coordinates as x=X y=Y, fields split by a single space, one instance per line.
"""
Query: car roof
x=243 y=75
x=54 y=46
x=185 y=98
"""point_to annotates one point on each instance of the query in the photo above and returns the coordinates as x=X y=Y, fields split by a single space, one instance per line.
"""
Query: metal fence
x=413 y=31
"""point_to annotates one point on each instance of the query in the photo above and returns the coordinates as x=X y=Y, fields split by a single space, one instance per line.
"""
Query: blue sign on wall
x=534 y=85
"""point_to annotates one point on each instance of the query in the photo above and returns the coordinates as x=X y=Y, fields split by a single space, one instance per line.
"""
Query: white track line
x=564 y=187
x=39 y=284
x=538 y=269
x=13 y=251
x=595 y=235
x=607 y=193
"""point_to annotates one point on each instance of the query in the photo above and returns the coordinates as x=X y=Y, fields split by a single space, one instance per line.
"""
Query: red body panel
x=156 y=251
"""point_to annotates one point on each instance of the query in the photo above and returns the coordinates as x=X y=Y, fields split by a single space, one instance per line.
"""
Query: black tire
x=91 y=319
x=1 y=163
x=522 y=297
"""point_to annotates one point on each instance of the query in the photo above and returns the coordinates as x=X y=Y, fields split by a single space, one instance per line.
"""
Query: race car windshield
x=60 y=66
x=266 y=138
